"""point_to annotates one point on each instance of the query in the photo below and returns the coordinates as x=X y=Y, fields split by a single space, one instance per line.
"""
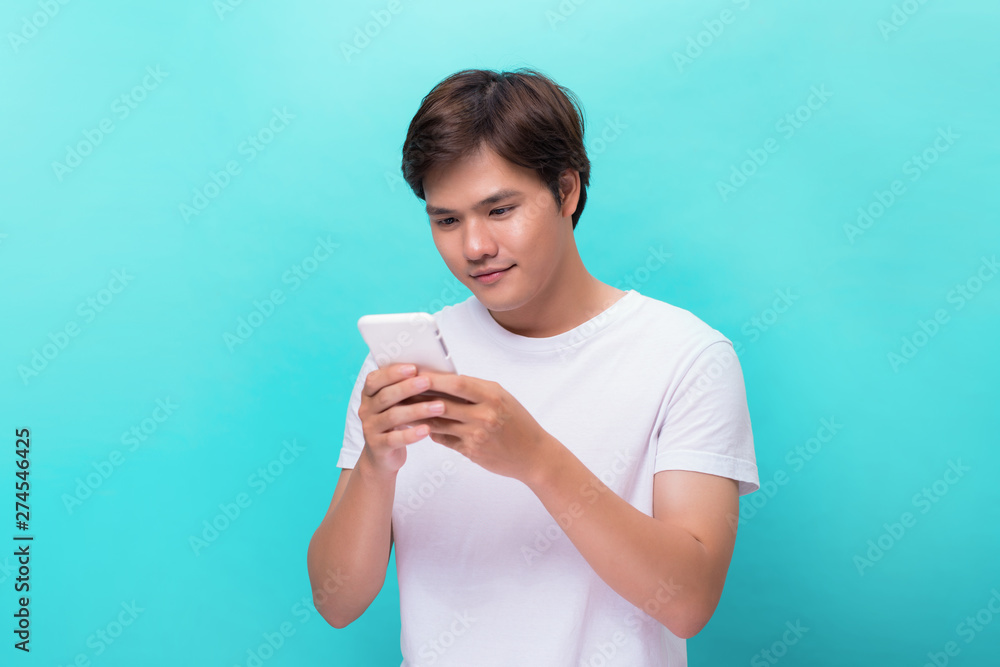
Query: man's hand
x=388 y=401
x=489 y=427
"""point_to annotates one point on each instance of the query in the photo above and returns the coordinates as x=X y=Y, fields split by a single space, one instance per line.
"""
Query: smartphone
x=407 y=338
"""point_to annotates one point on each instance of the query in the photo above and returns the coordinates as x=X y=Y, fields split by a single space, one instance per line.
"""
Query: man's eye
x=502 y=211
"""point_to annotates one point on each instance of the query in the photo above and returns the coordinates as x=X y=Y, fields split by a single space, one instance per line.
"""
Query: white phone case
x=413 y=338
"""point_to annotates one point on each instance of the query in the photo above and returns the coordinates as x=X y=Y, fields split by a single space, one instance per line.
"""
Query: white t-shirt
x=486 y=575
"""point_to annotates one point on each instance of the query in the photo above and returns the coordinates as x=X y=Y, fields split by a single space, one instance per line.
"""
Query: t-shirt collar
x=575 y=336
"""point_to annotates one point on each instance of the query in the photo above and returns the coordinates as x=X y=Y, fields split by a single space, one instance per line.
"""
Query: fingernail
x=409 y=370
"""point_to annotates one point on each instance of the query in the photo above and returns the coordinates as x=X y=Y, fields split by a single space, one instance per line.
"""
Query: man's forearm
x=349 y=552
x=658 y=567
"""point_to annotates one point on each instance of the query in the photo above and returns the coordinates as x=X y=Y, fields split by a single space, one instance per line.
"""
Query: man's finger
x=456 y=386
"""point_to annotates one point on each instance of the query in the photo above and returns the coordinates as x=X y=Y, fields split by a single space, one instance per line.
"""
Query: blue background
x=677 y=96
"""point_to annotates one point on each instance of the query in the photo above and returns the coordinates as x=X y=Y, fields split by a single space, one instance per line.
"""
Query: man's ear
x=569 y=188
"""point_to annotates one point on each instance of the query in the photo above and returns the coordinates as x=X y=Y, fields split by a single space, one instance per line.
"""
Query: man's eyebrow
x=492 y=199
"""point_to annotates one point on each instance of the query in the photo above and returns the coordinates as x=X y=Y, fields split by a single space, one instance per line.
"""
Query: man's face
x=487 y=213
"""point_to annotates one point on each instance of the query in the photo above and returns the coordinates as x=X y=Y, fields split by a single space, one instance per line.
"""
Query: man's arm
x=672 y=565
x=348 y=554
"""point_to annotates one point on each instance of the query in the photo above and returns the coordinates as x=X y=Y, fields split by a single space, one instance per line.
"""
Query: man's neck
x=561 y=311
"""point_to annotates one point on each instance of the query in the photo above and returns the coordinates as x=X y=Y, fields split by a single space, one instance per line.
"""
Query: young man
x=574 y=499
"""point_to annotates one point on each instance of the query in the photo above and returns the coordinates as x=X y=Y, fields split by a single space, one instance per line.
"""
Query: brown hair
x=522 y=115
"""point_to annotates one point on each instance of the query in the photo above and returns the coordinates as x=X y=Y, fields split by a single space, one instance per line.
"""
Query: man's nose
x=478 y=241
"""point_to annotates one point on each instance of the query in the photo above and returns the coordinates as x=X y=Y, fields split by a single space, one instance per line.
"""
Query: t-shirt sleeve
x=354 y=438
x=706 y=427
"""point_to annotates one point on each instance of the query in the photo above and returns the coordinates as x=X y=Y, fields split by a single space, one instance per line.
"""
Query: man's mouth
x=492 y=276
